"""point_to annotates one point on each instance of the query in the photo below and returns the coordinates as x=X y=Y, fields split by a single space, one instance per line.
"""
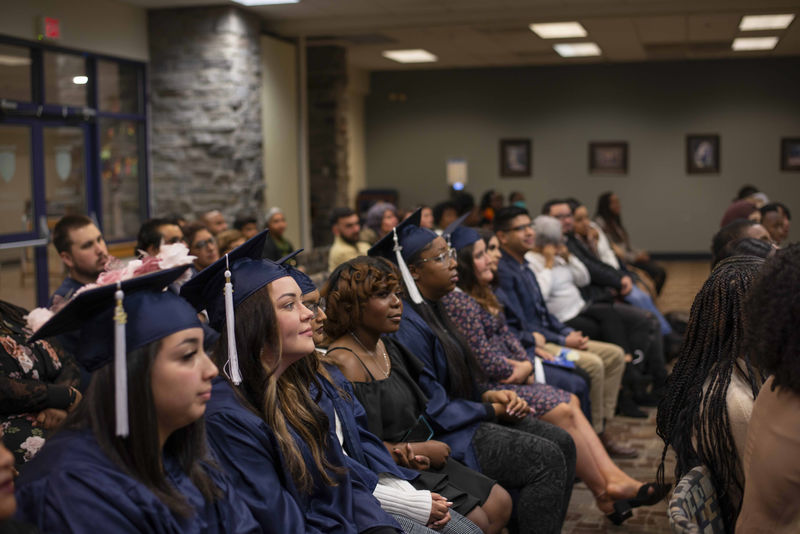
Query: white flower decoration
x=37 y=317
x=31 y=446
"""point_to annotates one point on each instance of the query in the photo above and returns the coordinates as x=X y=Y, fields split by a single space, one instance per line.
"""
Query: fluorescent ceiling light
x=577 y=49
x=410 y=56
x=14 y=61
x=80 y=80
x=265 y=2
x=765 y=22
x=558 y=30
x=754 y=43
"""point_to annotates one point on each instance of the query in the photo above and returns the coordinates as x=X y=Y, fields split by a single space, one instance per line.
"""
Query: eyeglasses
x=316 y=307
x=205 y=242
x=443 y=258
x=521 y=227
x=560 y=216
x=177 y=239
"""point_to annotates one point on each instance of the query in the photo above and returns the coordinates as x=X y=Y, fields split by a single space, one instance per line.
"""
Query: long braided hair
x=693 y=417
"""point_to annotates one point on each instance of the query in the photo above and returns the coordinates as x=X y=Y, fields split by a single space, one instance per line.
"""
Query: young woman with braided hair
x=711 y=391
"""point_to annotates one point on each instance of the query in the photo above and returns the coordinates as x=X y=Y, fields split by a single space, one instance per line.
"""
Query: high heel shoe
x=644 y=498
x=622 y=512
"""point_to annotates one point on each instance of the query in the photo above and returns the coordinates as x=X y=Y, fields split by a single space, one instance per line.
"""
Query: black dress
x=395 y=406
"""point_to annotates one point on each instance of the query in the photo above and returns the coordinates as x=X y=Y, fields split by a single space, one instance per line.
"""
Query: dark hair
x=745 y=191
x=464 y=201
x=746 y=246
x=243 y=220
x=257 y=332
x=149 y=236
x=440 y=208
x=504 y=216
x=191 y=231
x=350 y=286
x=773 y=316
x=692 y=417
x=735 y=229
x=775 y=206
x=514 y=196
x=64 y=226
x=470 y=284
x=340 y=213
x=139 y=454
x=604 y=209
x=486 y=199
x=552 y=202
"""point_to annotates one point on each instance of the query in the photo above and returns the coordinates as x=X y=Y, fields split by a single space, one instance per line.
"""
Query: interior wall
x=357 y=90
x=279 y=116
x=101 y=26
x=416 y=120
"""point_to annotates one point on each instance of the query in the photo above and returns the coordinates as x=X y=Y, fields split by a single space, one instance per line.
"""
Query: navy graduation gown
x=72 y=486
x=455 y=420
x=248 y=451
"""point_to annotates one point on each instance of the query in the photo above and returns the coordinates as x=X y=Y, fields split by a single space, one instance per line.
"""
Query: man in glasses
x=155 y=232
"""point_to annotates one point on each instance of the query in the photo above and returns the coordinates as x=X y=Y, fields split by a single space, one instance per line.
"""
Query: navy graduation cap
x=303 y=280
x=459 y=236
x=118 y=318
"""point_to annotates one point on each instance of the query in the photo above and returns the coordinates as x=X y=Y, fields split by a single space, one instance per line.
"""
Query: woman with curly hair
x=710 y=394
x=771 y=462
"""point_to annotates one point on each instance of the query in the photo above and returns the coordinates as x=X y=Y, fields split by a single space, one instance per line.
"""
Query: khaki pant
x=604 y=363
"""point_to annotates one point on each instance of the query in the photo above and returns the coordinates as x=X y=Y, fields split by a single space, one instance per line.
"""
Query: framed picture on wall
x=790 y=154
x=608 y=157
x=515 y=158
x=702 y=154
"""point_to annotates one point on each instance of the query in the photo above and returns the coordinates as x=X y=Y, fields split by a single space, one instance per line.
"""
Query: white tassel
x=120 y=365
x=233 y=357
x=411 y=285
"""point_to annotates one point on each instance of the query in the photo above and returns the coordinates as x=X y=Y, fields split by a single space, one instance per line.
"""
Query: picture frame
x=608 y=157
x=790 y=154
x=515 y=158
x=702 y=154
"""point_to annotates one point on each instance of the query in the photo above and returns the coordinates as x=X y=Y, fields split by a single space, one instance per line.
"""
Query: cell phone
x=421 y=431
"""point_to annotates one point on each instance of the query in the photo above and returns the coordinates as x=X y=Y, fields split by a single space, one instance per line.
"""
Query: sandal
x=622 y=510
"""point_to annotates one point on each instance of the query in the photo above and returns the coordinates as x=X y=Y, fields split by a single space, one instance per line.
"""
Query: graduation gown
x=72 y=486
x=248 y=451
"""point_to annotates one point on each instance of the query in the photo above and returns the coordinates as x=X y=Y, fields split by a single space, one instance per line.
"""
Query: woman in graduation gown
x=133 y=463
x=266 y=431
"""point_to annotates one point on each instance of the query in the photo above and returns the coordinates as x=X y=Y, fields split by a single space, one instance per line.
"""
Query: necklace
x=373 y=354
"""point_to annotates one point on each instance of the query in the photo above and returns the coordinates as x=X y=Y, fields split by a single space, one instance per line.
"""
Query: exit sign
x=49 y=28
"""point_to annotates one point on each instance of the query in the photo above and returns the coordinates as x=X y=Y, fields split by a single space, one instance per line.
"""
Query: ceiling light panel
x=558 y=30
x=577 y=49
x=741 y=44
x=765 y=22
x=410 y=56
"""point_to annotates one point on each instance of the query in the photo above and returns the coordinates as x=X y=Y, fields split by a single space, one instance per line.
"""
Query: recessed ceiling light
x=410 y=56
x=80 y=80
x=765 y=22
x=265 y=2
x=558 y=30
x=577 y=49
x=754 y=43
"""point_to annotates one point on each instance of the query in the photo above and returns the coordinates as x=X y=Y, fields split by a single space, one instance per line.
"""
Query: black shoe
x=627 y=407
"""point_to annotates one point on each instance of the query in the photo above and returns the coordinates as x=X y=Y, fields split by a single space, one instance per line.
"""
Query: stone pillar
x=327 y=136
x=205 y=111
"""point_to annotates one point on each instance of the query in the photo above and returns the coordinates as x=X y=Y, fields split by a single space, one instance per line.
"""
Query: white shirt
x=560 y=283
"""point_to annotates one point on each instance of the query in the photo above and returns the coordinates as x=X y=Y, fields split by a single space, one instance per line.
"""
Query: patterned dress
x=491 y=341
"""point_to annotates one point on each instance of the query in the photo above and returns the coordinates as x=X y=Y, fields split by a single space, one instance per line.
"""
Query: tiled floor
x=683 y=282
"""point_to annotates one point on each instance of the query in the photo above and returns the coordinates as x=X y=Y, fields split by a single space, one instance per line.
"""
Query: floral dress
x=491 y=341
x=33 y=377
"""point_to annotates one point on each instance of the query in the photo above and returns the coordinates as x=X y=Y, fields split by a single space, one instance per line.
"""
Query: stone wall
x=327 y=136
x=205 y=111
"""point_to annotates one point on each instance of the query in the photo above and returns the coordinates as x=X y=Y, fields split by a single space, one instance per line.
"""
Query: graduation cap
x=405 y=240
x=305 y=282
x=229 y=281
x=116 y=319
x=459 y=236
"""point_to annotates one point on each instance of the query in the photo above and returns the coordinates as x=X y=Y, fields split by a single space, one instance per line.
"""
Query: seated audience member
x=476 y=312
x=215 y=222
x=444 y=214
x=8 y=503
x=741 y=209
x=745 y=191
x=201 y=244
x=276 y=246
x=229 y=240
x=266 y=431
x=412 y=508
x=38 y=385
x=710 y=394
x=528 y=318
x=136 y=462
x=747 y=246
x=737 y=229
x=429 y=273
x=425 y=218
x=154 y=232
x=771 y=461
x=82 y=249
x=380 y=220
x=491 y=201
x=346 y=242
x=465 y=204
x=247 y=224
x=392 y=385
x=515 y=198
x=775 y=218
x=178 y=219
x=609 y=218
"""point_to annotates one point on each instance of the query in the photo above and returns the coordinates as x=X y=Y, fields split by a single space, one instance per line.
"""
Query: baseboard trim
x=681 y=256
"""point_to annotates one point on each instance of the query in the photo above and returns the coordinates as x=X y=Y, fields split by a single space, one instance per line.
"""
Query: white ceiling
x=479 y=33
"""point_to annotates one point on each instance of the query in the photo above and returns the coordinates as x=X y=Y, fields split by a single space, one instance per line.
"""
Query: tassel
x=120 y=364
x=235 y=375
x=411 y=285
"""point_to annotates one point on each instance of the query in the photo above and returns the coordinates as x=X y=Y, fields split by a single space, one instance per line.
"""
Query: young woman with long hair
x=155 y=476
x=505 y=365
x=705 y=412
x=267 y=432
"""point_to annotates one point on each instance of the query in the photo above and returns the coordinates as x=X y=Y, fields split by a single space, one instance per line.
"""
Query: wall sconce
x=8 y=162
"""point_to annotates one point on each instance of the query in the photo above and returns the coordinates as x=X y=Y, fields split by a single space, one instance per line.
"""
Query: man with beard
x=346 y=246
